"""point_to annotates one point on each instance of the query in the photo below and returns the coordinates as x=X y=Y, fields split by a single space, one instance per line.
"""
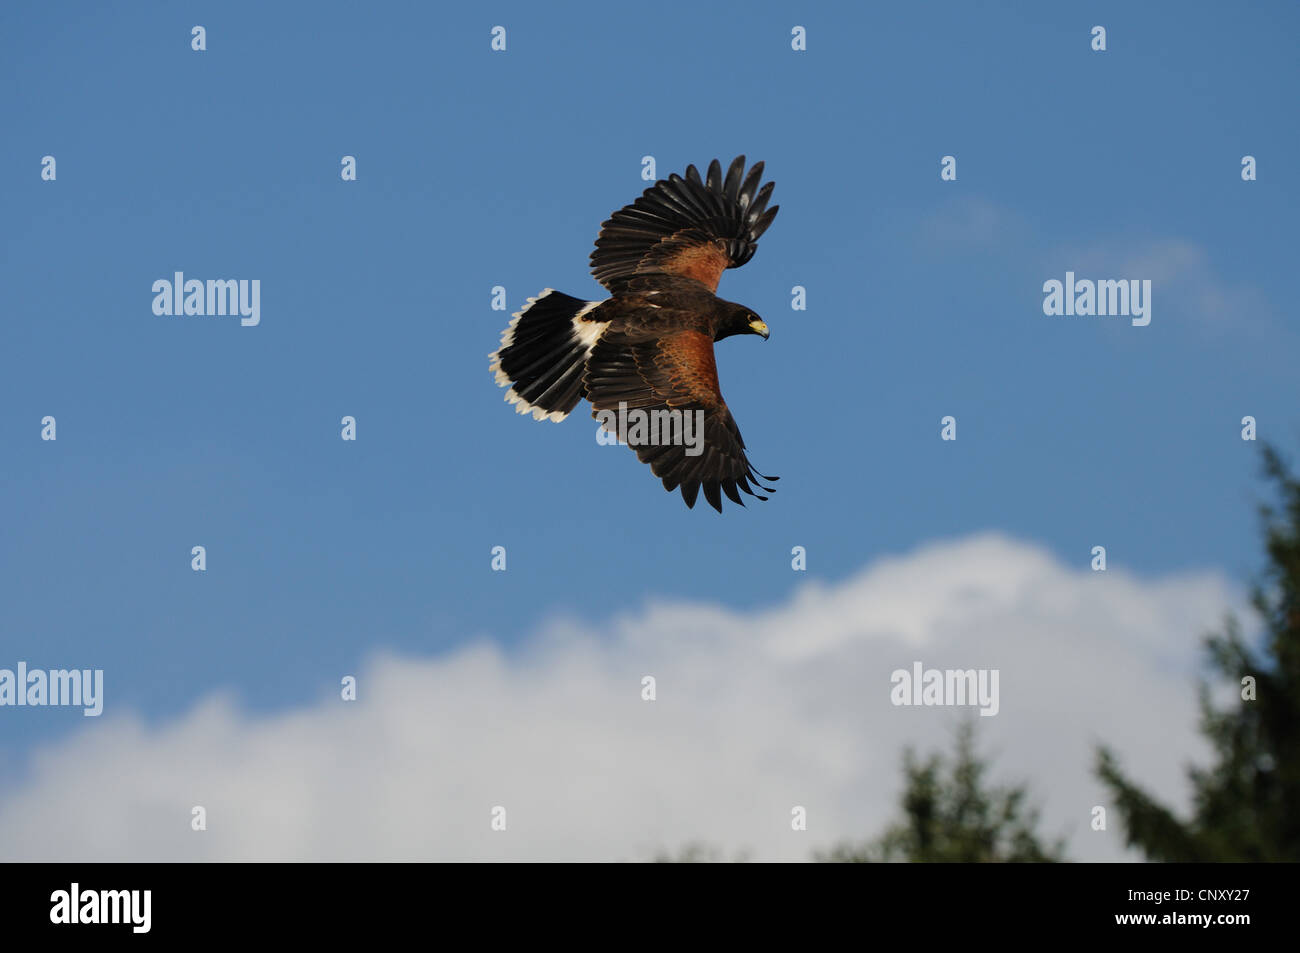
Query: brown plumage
x=649 y=346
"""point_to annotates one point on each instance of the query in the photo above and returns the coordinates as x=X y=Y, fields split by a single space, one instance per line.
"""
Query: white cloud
x=1183 y=275
x=1187 y=285
x=969 y=220
x=756 y=713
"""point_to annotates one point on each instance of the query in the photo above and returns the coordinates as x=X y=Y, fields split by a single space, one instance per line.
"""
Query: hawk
x=648 y=348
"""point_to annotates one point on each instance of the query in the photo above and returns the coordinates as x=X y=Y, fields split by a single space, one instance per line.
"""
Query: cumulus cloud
x=756 y=713
x=974 y=222
x=1183 y=273
x=1188 y=285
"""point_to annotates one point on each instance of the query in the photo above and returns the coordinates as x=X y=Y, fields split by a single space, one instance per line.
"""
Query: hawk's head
x=737 y=319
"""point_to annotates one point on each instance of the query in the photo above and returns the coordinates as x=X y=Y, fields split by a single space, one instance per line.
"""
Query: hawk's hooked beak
x=759 y=327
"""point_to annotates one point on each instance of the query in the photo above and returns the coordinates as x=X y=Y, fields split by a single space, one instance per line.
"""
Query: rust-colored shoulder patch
x=688 y=226
x=688 y=363
x=705 y=262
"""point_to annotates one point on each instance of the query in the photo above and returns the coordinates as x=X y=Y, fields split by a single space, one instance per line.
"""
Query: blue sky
x=478 y=169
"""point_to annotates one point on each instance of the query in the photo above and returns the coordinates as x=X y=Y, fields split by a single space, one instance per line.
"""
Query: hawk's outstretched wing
x=686 y=227
x=674 y=372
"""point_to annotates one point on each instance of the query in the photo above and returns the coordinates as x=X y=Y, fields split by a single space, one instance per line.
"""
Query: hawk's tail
x=543 y=354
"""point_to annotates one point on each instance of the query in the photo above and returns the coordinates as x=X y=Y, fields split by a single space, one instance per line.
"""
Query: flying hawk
x=648 y=347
